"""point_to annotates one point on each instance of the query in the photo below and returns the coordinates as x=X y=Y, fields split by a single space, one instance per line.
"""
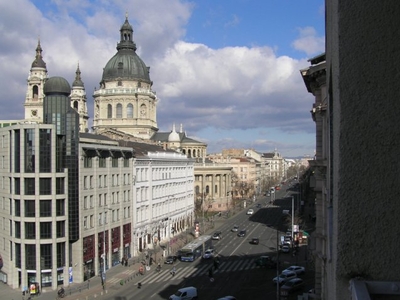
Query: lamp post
x=104 y=246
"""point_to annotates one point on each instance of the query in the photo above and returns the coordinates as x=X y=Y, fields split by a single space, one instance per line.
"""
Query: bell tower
x=34 y=94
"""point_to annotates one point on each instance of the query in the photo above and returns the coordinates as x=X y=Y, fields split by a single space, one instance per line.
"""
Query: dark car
x=241 y=233
x=217 y=235
x=170 y=259
x=255 y=241
x=292 y=285
x=258 y=205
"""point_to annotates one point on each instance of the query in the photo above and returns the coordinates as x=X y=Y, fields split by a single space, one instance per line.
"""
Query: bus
x=196 y=248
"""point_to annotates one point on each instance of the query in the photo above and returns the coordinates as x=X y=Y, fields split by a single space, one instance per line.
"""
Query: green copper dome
x=126 y=64
x=57 y=85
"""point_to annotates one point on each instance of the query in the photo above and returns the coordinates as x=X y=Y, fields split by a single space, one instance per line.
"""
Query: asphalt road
x=237 y=274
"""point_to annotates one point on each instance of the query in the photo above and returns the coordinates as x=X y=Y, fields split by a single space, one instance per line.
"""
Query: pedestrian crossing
x=190 y=270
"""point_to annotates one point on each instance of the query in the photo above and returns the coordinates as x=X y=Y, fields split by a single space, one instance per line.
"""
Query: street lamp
x=104 y=246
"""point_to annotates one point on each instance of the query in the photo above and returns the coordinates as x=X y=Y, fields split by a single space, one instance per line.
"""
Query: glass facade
x=45 y=150
x=29 y=150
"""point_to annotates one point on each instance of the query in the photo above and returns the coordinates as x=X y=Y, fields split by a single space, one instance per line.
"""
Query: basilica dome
x=126 y=64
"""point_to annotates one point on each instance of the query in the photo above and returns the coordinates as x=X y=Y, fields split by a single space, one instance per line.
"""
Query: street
x=237 y=274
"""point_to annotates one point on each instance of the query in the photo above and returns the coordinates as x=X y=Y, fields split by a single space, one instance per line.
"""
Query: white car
x=284 y=277
x=297 y=269
x=208 y=254
x=250 y=211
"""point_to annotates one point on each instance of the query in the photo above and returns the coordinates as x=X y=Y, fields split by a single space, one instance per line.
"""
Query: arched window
x=35 y=92
x=76 y=105
x=119 y=111
x=129 y=111
x=109 y=111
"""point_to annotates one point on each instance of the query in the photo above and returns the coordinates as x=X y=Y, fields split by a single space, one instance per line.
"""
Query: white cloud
x=309 y=41
x=231 y=88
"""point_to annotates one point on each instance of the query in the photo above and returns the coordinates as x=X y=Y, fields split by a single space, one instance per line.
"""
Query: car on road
x=284 y=277
x=293 y=285
x=258 y=205
x=170 y=259
x=285 y=248
x=217 y=235
x=185 y=293
x=235 y=228
x=255 y=241
x=227 y=298
x=209 y=253
x=250 y=212
x=241 y=233
x=297 y=269
x=265 y=261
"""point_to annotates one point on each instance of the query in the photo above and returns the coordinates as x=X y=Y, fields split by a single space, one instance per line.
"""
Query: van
x=186 y=293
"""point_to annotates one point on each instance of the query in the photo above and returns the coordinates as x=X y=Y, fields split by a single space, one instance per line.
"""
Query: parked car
x=250 y=212
x=242 y=233
x=209 y=253
x=255 y=241
x=227 y=298
x=265 y=261
x=170 y=259
x=184 y=294
x=292 y=285
x=235 y=228
x=285 y=248
x=217 y=235
x=258 y=205
x=297 y=269
x=284 y=277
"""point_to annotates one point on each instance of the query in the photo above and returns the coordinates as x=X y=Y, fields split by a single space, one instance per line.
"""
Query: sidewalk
x=116 y=277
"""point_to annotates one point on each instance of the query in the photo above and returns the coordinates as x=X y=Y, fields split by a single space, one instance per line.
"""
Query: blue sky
x=227 y=70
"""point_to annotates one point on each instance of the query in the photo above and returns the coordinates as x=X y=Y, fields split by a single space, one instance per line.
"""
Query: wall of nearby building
x=364 y=101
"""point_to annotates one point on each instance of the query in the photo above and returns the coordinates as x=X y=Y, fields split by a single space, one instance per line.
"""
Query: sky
x=227 y=70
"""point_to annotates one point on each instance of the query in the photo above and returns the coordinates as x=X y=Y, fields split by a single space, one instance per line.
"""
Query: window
x=45 y=208
x=114 y=162
x=45 y=230
x=60 y=207
x=60 y=186
x=60 y=255
x=109 y=111
x=30 y=231
x=129 y=111
x=29 y=186
x=60 y=229
x=119 y=111
x=17 y=255
x=87 y=162
x=126 y=162
x=29 y=150
x=17 y=230
x=85 y=222
x=45 y=150
x=29 y=208
x=85 y=202
x=17 y=186
x=30 y=257
x=45 y=256
x=17 y=208
x=45 y=186
x=102 y=162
